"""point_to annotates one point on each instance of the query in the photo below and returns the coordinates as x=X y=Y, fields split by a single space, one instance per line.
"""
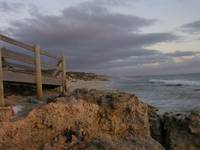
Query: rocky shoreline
x=176 y=131
x=98 y=119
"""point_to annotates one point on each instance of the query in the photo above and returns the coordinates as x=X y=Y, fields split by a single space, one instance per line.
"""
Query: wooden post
x=63 y=75
x=59 y=65
x=2 y=102
x=38 y=74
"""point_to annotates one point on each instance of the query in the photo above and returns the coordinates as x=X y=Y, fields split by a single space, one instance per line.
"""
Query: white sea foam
x=176 y=82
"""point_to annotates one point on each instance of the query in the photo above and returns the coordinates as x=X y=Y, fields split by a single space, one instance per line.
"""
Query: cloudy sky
x=115 y=37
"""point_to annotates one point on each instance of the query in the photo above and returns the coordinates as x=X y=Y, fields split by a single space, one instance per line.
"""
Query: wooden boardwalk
x=25 y=68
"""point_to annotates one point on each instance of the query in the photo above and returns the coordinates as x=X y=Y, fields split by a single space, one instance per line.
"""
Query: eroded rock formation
x=83 y=120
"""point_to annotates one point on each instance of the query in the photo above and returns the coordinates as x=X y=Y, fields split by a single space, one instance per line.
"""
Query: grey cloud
x=182 y=53
x=188 y=66
x=114 y=2
x=193 y=27
x=168 y=67
x=153 y=57
x=93 y=38
x=107 y=3
x=10 y=7
x=136 y=61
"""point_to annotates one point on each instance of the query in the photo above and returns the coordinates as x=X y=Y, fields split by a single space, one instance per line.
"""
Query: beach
x=95 y=84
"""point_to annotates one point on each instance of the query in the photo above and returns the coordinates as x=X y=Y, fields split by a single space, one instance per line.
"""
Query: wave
x=176 y=82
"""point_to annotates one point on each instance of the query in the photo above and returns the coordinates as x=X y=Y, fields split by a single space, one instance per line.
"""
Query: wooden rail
x=30 y=69
x=2 y=103
x=24 y=46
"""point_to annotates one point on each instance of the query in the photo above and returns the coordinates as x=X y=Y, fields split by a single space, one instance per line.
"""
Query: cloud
x=182 y=53
x=114 y=2
x=96 y=39
x=166 y=66
x=10 y=7
x=154 y=57
x=193 y=27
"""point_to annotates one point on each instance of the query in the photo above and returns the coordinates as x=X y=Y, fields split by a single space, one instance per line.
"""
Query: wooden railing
x=30 y=69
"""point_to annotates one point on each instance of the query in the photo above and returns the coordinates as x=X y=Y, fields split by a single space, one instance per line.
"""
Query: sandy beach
x=94 y=84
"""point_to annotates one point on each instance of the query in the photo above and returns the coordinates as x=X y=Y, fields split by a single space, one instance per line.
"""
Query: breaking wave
x=176 y=82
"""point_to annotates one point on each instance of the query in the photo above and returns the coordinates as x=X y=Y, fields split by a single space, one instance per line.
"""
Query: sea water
x=180 y=93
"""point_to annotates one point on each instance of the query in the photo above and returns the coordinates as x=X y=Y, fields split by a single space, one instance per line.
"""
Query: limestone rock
x=83 y=120
x=5 y=114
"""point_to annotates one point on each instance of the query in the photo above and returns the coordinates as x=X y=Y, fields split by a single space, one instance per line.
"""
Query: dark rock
x=156 y=127
x=50 y=99
x=32 y=100
x=182 y=131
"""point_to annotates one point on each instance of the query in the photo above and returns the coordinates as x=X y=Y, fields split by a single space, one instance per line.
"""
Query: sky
x=114 y=37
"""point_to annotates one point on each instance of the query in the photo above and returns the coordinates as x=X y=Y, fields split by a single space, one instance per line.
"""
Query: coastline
x=94 y=84
x=163 y=131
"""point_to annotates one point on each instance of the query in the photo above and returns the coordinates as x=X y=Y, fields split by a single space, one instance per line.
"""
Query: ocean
x=177 y=93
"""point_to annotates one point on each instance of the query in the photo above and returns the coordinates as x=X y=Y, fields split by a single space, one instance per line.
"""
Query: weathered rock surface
x=5 y=114
x=83 y=120
x=182 y=131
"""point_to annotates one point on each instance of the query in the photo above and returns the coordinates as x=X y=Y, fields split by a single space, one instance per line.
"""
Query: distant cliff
x=85 y=76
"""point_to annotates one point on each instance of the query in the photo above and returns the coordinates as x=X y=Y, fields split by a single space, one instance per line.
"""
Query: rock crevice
x=176 y=131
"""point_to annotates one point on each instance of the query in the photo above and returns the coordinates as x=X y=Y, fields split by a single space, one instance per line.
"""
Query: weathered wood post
x=2 y=102
x=59 y=66
x=63 y=75
x=38 y=73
